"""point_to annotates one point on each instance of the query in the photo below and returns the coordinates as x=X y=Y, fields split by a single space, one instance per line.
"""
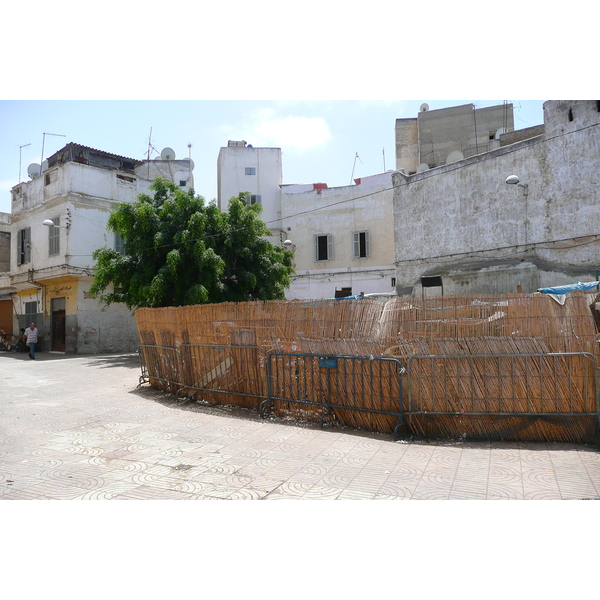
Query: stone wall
x=464 y=223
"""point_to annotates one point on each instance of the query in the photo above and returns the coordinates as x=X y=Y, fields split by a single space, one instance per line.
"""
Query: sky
x=328 y=141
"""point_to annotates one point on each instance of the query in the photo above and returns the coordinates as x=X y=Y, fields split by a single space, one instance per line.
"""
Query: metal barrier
x=224 y=369
x=161 y=363
x=221 y=369
x=334 y=383
x=552 y=384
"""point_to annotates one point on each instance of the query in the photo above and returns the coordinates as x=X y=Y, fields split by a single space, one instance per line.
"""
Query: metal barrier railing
x=224 y=369
x=369 y=391
x=524 y=384
x=161 y=363
x=332 y=383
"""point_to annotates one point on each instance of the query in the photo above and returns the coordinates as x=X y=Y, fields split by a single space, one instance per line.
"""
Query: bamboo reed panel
x=403 y=327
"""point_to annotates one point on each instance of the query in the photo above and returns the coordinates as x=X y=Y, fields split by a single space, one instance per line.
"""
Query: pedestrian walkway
x=76 y=428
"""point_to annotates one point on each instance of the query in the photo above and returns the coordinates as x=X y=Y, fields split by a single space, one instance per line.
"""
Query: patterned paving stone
x=104 y=441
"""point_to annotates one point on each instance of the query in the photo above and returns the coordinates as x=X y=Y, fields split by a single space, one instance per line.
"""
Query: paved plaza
x=78 y=428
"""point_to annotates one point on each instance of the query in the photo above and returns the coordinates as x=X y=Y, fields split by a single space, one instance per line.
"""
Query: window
x=24 y=246
x=119 y=244
x=31 y=311
x=393 y=282
x=323 y=247
x=124 y=180
x=343 y=292
x=50 y=177
x=360 y=244
x=250 y=170
x=182 y=183
x=54 y=238
x=252 y=198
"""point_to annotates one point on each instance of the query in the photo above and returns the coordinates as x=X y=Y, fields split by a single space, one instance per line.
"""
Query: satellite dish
x=499 y=133
x=191 y=163
x=454 y=156
x=422 y=167
x=168 y=154
x=424 y=107
x=34 y=170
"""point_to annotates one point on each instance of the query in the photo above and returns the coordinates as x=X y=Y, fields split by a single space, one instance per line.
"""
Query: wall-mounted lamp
x=50 y=223
x=289 y=245
x=514 y=180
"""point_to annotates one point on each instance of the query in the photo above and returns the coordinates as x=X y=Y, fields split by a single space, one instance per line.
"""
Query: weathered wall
x=463 y=222
x=4 y=242
x=266 y=181
x=340 y=211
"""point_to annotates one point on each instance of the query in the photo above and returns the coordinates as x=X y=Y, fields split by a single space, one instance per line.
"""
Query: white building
x=342 y=238
x=52 y=267
x=257 y=172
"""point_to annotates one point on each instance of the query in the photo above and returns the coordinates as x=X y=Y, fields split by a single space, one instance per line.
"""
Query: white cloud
x=289 y=133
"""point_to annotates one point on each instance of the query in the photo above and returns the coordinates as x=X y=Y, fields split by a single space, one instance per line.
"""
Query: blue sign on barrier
x=328 y=363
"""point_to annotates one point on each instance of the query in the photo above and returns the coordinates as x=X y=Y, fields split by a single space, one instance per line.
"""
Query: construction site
x=511 y=367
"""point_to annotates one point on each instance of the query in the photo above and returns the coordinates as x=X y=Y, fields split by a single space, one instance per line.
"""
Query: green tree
x=180 y=250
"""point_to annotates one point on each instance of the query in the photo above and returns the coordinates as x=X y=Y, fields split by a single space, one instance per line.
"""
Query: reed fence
x=485 y=328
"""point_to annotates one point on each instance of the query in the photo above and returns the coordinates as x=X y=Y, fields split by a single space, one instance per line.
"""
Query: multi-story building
x=519 y=217
x=58 y=219
x=442 y=136
x=6 y=307
x=342 y=237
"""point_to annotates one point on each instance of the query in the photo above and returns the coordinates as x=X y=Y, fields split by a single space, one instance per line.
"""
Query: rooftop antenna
x=43 y=142
x=149 y=146
x=383 y=150
x=352 y=176
x=20 y=154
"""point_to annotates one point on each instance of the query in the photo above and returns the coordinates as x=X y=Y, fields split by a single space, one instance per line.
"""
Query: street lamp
x=514 y=180
x=50 y=223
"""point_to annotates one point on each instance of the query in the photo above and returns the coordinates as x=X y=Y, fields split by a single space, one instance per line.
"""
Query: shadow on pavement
x=103 y=361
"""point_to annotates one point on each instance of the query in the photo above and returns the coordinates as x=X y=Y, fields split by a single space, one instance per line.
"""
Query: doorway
x=58 y=317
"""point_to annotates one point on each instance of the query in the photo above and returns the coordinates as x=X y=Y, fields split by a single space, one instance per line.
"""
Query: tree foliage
x=180 y=250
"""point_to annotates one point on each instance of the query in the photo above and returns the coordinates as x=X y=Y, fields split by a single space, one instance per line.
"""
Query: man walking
x=31 y=336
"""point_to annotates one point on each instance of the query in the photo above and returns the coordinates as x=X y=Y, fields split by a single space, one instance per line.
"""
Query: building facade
x=58 y=219
x=461 y=228
x=258 y=173
x=443 y=136
x=342 y=238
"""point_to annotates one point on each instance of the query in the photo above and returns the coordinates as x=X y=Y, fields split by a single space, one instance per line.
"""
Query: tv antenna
x=20 y=154
x=44 y=141
x=352 y=176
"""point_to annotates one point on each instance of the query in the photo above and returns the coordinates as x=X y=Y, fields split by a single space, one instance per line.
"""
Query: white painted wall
x=232 y=179
x=340 y=211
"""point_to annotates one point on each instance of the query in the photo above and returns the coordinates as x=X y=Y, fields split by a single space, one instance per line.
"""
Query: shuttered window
x=323 y=247
x=24 y=246
x=54 y=238
x=361 y=244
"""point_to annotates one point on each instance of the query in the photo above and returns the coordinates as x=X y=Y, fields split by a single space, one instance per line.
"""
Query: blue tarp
x=573 y=287
x=357 y=297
